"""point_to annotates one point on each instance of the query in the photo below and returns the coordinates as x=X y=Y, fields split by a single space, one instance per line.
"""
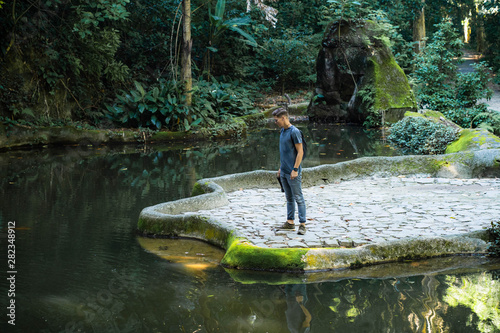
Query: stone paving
x=369 y=210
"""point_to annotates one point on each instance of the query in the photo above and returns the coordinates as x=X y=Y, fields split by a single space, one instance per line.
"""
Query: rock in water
x=358 y=78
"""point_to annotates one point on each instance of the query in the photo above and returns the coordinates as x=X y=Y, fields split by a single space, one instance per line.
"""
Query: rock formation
x=358 y=78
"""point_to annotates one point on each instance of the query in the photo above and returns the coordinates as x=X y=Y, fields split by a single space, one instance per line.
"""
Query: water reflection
x=81 y=267
x=480 y=293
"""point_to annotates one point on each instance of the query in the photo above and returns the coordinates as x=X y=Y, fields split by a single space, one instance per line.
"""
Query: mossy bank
x=17 y=136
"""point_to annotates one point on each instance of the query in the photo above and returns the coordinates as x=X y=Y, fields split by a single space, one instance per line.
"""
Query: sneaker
x=287 y=226
x=302 y=230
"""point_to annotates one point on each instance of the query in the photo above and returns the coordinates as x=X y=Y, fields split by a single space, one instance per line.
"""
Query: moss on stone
x=392 y=89
x=429 y=114
x=254 y=119
x=471 y=139
x=170 y=136
x=434 y=114
x=197 y=189
x=244 y=255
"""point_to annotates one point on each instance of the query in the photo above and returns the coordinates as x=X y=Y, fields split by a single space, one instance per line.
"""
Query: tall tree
x=419 y=29
x=187 y=43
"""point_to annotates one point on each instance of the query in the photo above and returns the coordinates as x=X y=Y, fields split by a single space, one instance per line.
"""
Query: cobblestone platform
x=365 y=211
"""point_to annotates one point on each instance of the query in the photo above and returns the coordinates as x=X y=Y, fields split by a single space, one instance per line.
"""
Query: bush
x=418 y=135
x=494 y=248
x=163 y=105
x=490 y=120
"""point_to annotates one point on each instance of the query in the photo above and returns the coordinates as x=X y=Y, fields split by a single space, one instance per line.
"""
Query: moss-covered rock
x=358 y=77
x=244 y=255
x=474 y=139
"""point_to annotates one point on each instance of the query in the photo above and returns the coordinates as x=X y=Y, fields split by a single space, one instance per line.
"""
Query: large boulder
x=358 y=78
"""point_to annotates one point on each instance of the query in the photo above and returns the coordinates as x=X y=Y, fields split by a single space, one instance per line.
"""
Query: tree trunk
x=419 y=30
x=186 y=76
x=480 y=36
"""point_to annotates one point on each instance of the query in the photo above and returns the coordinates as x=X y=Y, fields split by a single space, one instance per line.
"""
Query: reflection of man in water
x=298 y=317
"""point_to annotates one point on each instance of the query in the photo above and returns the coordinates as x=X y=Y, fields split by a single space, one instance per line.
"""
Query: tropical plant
x=162 y=106
x=219 y=26
x=157 y=107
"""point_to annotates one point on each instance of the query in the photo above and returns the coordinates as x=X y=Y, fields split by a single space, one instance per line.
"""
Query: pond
x=80 y=267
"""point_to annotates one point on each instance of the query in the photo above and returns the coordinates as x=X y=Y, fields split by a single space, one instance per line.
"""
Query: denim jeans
x=293 y=193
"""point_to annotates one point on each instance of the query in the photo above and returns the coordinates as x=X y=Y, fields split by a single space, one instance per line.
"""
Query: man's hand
x=279 y=173
x=294 y=174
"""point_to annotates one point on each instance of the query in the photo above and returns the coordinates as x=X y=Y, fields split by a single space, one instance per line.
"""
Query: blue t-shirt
x=288 y=154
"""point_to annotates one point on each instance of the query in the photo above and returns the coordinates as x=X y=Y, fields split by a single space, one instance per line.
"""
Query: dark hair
x=279 y=112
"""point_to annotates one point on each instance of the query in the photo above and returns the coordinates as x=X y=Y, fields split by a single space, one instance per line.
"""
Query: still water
x=80 y=267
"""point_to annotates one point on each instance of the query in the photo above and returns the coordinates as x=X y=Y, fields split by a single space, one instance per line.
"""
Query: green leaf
x=140 y=88
x=248 y=38
x=196 y=122
x=220 y=7
x=142 y=107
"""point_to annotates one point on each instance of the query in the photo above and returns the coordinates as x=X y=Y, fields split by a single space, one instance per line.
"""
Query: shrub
x=490 y=120
x=418 y=135
x=163 y=105
x=494 y=247
x=159 y=106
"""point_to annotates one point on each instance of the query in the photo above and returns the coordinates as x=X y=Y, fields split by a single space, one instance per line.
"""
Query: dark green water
x=80 y=266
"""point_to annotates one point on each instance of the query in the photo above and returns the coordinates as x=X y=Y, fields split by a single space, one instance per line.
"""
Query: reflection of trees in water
x=480 y=293
x=337 y=143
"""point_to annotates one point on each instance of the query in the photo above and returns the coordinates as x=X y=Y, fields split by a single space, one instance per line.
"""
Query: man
x=290 y=172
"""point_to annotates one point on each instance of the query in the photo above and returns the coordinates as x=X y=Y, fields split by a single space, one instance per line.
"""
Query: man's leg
x=290 y=202
x=296 y=187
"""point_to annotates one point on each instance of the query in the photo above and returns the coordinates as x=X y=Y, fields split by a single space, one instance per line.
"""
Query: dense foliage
x=494 y=248
x=441 y=87
x=100 y=60
x=162 y=105
x=419 y=135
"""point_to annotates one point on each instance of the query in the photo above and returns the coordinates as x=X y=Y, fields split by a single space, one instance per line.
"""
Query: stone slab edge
x=179 y=219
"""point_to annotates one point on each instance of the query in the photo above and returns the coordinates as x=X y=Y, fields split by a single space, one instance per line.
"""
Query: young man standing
x=290 y=172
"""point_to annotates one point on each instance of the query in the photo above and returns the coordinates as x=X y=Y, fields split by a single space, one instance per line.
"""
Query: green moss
x=434 y=114
x=464 y=142
x=169 y=136
x=389 y=92
x=244 y=255
x=198 y=189
x=413 y=114
x=253 y=120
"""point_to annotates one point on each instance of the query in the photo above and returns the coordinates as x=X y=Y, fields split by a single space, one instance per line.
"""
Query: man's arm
x=298 y=159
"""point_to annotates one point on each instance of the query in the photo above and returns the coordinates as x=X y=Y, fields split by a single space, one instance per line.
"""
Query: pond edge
x=179 y=218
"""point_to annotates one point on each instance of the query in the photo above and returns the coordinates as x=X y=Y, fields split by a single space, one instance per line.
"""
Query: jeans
x=293 y=193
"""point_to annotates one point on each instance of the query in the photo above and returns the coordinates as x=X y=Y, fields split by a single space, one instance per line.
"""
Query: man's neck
x=287 y=125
